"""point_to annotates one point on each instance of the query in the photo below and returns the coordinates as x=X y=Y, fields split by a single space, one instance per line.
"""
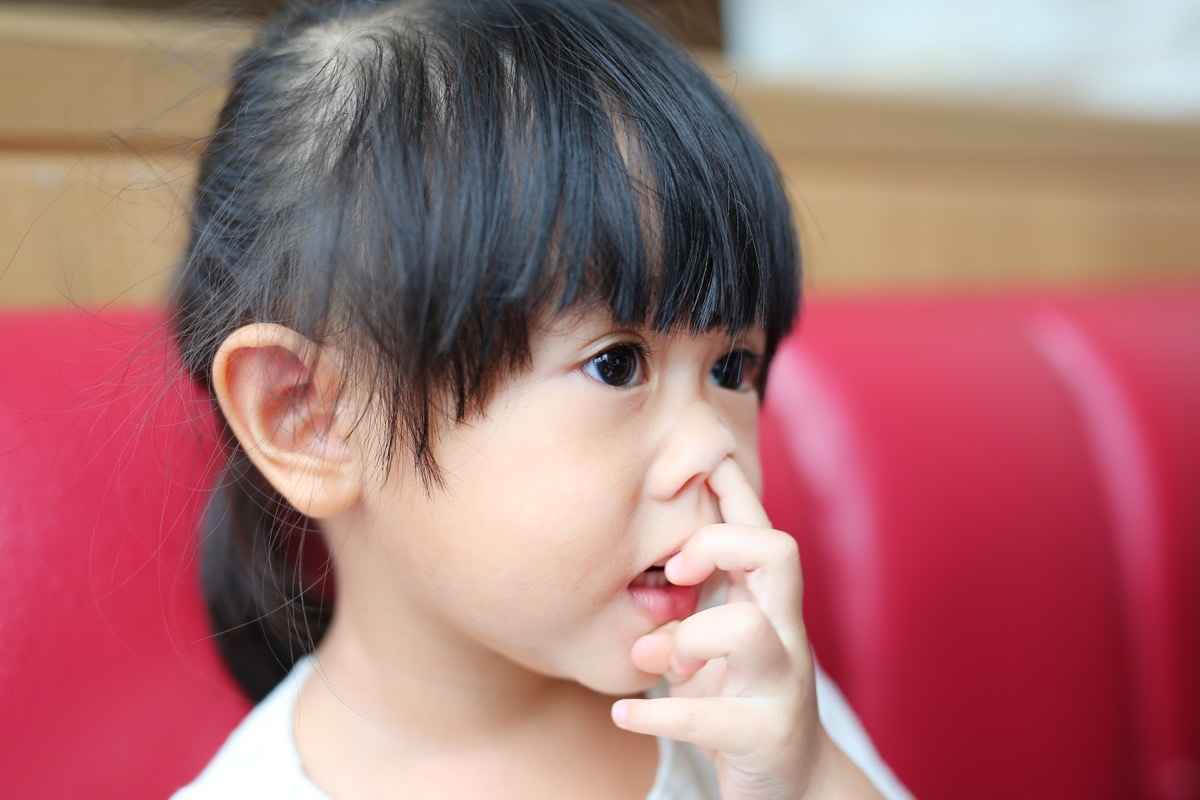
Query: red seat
x=998 y=502
x=109 y=685
x=999 y=516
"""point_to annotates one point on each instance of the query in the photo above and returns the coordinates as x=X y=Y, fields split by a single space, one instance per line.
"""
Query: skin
x=482 y=631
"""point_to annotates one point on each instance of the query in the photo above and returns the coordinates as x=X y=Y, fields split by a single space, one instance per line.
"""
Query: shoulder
x=259 y=759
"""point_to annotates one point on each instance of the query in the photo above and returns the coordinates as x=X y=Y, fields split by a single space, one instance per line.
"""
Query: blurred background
x=1125 y=58
x=929 y=145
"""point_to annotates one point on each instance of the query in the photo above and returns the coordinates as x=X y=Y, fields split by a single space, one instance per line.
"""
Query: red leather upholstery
x=108 y=685
x=998 y=502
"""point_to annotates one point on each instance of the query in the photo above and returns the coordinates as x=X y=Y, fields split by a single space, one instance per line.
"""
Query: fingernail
x=674 y=563
x=620 y=713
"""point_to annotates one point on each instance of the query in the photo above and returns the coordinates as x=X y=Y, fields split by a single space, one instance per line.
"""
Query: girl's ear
x=280 y=395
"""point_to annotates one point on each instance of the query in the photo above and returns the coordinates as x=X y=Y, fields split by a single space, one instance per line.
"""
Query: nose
x=695 y=443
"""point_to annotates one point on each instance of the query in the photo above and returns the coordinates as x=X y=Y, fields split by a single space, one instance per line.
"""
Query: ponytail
x=268 y=605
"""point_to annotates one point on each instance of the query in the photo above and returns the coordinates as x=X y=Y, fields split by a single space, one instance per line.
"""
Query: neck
x=407 y=678
x=415 y=686
x=363 y=723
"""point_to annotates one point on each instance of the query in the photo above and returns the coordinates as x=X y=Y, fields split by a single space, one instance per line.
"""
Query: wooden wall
x=100 y=116
x=899 y=196
x=101 y=111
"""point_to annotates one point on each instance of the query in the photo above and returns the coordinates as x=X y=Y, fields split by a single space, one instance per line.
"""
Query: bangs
x=629 y=181
x=671 y=215
x=564 y=159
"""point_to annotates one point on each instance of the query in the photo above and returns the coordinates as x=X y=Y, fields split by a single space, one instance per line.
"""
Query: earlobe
x=282 y=397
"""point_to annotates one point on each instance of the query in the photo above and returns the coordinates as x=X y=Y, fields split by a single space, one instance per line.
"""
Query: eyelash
x=748 y=365
x=620 y=374
x=641 y=355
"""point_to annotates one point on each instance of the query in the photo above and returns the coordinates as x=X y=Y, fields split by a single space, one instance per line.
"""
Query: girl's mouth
x=653 y=578
x=662 y=600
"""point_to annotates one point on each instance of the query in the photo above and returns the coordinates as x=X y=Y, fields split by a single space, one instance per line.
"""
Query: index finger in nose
x=736 y=498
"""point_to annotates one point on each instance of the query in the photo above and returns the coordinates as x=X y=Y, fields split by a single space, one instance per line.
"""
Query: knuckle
x=783 y=547
x=746 y=623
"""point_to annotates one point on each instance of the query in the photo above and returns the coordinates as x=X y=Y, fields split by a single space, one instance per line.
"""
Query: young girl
x=486 y=292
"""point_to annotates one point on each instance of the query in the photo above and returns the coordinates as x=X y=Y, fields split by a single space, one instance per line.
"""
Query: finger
x=763 y=567
x=652 y=652
x=733 y=549
x=730 y=725
x=763 y=562
x=742 y=635
x=656 y=654
x=736 y=498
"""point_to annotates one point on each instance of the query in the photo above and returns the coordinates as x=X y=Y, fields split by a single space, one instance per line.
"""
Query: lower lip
x=665 y=603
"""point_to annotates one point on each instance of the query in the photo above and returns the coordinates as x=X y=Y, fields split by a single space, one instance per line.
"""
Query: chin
x=621 y=681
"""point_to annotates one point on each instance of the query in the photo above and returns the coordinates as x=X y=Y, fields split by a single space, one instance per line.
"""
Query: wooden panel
x=100 y=110
x=91 y=229
x=794 y=118
x=930 y=223
x=80 y=78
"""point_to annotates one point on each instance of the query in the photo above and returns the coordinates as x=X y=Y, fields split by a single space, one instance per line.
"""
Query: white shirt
x=259 y=760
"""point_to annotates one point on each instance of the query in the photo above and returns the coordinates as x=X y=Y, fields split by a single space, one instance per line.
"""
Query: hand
x=743 y=686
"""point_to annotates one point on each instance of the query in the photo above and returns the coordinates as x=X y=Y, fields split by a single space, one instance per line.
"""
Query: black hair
x=422 y=179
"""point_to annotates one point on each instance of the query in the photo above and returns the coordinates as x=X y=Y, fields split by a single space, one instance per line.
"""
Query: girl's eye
x=737 y=370
x=620 y=365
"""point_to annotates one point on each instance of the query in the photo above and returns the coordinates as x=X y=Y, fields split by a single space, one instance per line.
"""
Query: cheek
x=548 y=487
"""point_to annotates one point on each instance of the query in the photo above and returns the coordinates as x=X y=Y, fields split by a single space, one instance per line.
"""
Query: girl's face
x=588 y=470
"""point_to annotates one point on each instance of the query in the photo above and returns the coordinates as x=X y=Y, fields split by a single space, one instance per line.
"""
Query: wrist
x=835 y=775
